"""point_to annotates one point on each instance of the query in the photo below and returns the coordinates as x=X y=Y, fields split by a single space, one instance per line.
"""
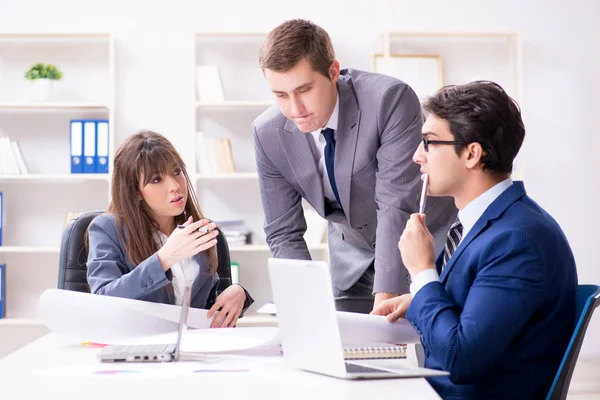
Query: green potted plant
x=42 y=77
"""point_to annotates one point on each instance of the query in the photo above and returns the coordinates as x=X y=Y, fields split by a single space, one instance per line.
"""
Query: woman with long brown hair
x=154 y=240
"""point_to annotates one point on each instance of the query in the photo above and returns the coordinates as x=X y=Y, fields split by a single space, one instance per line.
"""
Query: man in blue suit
x=497 y=307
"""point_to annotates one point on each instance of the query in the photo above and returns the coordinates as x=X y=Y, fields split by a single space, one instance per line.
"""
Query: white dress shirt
x=320 y=143
x=468 y=216
x=184 y=272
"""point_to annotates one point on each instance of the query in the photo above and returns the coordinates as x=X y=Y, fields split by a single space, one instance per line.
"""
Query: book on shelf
x=214 y=155
x=208 y=83
x=1 y=217
x=235 y=232
x=2 y=290
x=11 y=158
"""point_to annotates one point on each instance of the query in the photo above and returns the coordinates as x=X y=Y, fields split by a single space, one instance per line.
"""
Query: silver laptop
x=151 y=352
x=308 y=326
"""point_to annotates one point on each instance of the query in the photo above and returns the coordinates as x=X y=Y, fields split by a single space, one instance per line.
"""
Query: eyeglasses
x=427 y=142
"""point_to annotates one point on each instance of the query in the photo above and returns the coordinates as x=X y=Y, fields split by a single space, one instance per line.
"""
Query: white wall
x=561 y=69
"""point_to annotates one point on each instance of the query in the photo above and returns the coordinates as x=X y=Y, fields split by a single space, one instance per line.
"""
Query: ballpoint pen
x=423 y=194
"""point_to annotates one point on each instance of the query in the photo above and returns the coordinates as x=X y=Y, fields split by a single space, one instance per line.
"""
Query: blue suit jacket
x=501 y=317
x=111 y=272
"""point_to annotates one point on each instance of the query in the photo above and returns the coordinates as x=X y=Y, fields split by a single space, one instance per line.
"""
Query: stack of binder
x=2 y=290
x=89 y=146
x=1 y=211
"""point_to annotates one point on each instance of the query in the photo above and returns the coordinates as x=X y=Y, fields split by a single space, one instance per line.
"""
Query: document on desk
x=263 y=340
x=364 y=328
x=356 y=329
x=106 y=319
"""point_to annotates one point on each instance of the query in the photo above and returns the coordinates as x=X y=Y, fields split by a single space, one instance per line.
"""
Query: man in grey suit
x=342 y=140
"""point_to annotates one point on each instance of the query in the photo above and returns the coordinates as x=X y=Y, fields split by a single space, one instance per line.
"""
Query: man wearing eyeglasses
x=497 y=307
x=343 y=141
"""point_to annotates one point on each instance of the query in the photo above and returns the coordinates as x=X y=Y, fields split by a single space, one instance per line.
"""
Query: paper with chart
x=106 y=319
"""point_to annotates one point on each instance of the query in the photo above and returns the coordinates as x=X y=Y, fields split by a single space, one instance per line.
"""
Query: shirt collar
x=469 y=215
x=333 y=120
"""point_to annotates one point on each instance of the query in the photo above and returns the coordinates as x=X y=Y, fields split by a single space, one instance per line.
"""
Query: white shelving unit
x=229 y=104
x=236 y=196
x=29 y=250
x=35 y=205
x=468 y=56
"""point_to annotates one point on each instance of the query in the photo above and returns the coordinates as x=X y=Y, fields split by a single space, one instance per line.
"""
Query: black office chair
x=72 y=262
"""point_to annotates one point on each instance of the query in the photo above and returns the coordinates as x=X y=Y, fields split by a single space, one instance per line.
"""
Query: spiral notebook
x=375 y=351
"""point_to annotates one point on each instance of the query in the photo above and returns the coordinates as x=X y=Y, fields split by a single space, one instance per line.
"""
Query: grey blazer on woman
x=111 y=272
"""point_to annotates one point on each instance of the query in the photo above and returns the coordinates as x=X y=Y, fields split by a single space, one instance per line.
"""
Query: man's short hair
x=293 y=40
x=482 y=112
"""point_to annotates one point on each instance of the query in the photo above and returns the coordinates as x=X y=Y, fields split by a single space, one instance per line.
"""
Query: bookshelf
x=234 y=104
x=468 y=56
x=36 y=204
x=236 y=196
x=34 y=106
x=64 y=178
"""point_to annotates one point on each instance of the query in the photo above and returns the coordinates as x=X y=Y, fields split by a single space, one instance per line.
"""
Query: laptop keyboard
x=357 y=369
x=138 y=349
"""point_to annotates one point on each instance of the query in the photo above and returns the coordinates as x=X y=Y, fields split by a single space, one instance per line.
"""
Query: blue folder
x=2 y=290
x=89 y=146
x=76 y=146
x=1 y=218
x=102 y=146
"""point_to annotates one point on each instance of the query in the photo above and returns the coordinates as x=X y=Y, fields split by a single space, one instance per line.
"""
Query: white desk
x=40 y=370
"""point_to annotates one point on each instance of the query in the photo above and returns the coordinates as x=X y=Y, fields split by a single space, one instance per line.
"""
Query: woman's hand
x=229 y=304
x=187 y=242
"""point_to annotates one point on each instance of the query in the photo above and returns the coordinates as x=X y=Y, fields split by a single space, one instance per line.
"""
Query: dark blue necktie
x=329 y=157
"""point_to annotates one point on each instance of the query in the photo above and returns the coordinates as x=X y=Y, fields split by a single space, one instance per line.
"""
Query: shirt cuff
x=422 y=279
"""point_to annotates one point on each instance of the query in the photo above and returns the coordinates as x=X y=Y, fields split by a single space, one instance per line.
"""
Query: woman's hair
x=143 y=155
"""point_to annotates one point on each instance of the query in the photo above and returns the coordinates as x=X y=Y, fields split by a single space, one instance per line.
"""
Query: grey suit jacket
x=379 y=129
x=111 y=272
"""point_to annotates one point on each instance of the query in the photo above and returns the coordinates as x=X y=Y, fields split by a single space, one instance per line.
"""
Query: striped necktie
x=452 y=242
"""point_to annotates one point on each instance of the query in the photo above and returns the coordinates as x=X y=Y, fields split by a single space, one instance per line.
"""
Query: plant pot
x=41 y=89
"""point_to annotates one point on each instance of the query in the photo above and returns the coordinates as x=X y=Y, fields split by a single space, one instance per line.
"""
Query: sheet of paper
x=212 y=364
x=107 y=319
x=215 y=340
x=364 y=328
x=268 y=308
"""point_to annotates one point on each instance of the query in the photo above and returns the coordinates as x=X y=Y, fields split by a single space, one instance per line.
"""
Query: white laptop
x=308 y=326
x=150 y=352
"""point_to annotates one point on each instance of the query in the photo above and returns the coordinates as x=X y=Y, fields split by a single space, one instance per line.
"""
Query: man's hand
x=393 y=308
x=416 y=246
x=379 y=297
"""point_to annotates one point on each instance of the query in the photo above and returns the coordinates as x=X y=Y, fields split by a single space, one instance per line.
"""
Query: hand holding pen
x=188 y=240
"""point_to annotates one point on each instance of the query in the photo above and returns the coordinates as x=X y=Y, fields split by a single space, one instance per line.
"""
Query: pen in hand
x=203 y=229
x=423 y=194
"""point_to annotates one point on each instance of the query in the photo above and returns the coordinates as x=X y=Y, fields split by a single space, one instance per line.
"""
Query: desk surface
x=52 y=367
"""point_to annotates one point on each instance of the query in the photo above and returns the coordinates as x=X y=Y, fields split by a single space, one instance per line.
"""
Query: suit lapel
x=300 y=156
x=494 y=211
x=345 y=142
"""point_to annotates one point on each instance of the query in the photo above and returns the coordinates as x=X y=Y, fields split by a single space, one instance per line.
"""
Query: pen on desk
x=423 y=194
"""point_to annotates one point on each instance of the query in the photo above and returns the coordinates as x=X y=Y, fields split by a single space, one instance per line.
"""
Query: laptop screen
x=183 y=318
